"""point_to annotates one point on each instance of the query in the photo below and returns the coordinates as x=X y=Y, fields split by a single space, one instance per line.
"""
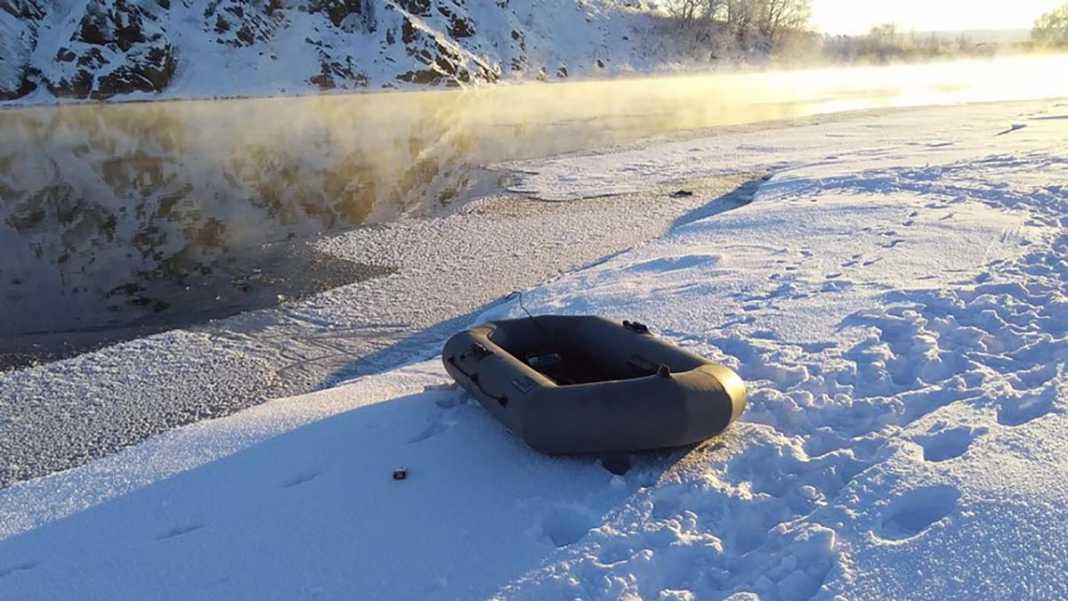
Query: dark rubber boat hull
x=619 y=388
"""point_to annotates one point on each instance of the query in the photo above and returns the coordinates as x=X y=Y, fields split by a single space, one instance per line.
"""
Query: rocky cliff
x=102 y=49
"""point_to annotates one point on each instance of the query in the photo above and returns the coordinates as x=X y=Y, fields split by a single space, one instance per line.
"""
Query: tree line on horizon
x=1051 y=29
x=780 y=31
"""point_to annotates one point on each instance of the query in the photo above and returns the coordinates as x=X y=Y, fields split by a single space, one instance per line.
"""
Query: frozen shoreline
x=62 y=414
x=432 y=274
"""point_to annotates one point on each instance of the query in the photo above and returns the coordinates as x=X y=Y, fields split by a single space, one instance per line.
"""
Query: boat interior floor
x=574 y=368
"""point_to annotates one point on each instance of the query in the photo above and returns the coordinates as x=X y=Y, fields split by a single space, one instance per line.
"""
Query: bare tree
x=693 y=10
x=686 y=11
x=769 y=17
x=744 y=27
x=779 y=16
x=715 y=9
x=1051 y=29
x=740 y=13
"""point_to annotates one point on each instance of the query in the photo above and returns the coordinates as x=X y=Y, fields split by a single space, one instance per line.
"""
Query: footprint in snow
x=1017 y=412
x=437 y=426
x=815 y=347
x=948 y=444
x=666 y=506
x=179 y=531
x=20 y=567
x=440 y=422
x=614 y=554
x=741 y=321
x=301 y=479
x=914 y=512
x=451 y=401
x=853 y=261
x=565 y=525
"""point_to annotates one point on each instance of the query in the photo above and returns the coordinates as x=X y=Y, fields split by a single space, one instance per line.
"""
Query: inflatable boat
x=572 y=385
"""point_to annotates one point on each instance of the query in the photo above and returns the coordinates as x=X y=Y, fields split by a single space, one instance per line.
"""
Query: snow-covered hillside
x=896 y=296
x=136 y=48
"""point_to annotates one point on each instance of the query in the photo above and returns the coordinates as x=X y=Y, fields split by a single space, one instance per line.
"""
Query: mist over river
x=118 y=220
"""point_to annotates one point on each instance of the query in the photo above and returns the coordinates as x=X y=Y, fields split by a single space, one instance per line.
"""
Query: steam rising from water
x=109 y=213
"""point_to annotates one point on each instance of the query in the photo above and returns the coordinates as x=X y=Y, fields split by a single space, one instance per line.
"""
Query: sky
x=857 y=16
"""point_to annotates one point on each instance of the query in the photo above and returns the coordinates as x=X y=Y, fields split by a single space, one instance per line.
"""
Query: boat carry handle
x=502 y=400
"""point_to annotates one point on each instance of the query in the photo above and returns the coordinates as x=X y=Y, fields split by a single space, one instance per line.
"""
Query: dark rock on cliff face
x=119 y=47
x=119 y=24
x=338 y=75
x=78 y=85
x=240 y=24
x=148 y=73
x=459 y=26
x=24 y=86
x=338 y=10
x=444 y=64
x=419 y=8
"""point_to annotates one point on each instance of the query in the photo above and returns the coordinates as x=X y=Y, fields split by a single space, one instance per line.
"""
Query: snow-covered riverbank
x=896 y=296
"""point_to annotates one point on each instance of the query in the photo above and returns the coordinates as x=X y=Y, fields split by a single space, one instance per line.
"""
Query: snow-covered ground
x=896 y=296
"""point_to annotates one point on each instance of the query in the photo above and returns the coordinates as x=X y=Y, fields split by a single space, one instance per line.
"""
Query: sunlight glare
x=852 y=17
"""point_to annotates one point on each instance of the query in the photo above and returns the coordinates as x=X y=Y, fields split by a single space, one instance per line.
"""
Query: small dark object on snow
x=400 y=474
x=682 y=194
x=570 y=385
